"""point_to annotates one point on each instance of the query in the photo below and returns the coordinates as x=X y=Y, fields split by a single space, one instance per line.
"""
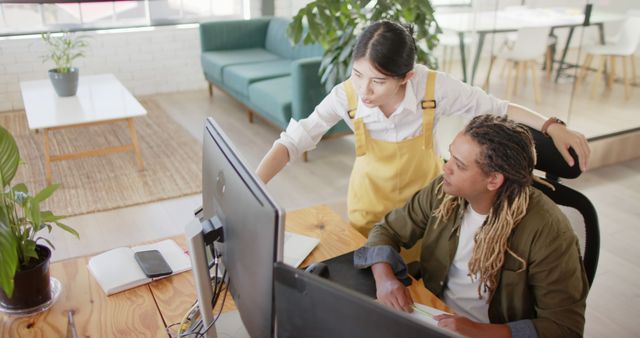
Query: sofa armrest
x=233 y=34
x=308 y=91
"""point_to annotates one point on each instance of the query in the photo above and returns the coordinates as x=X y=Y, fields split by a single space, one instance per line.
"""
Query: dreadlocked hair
x=506 y=148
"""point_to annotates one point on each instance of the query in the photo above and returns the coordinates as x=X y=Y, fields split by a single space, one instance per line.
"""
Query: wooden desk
x=134 y=312
x=127 y=314
x=175 y=295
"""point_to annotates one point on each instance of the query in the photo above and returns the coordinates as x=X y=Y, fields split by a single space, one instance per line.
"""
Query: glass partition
x=543 y=54
x=533 y=52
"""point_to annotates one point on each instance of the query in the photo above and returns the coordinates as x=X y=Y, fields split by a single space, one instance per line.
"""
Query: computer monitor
x=252 y=226
x=312 y=307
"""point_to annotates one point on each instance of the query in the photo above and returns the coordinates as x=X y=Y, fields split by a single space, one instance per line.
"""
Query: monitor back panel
x=311 y=307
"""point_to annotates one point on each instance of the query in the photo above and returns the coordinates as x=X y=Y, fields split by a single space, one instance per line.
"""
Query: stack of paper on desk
x=117 y=270
x=297 y=248
x=426 y=313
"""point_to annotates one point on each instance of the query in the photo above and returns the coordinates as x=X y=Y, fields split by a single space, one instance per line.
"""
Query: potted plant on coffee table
x=63 y=50
x=24 y=257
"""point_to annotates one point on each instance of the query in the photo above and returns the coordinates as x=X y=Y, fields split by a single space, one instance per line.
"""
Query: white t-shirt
x=452 y=96
x=461 y=294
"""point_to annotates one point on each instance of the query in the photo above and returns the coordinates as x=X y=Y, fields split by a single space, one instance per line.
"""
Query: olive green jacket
x=551 y=291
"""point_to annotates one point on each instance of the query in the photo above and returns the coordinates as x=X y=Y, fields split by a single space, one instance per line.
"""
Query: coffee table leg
x=134 y=141
x=47 y=157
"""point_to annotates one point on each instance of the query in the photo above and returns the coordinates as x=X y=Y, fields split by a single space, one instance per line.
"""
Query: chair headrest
x=549 y=158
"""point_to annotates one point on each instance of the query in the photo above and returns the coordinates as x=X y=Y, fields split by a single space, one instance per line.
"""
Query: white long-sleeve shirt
x=452 y=96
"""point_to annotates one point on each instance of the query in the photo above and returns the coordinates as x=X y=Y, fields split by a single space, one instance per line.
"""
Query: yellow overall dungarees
x=386 y=174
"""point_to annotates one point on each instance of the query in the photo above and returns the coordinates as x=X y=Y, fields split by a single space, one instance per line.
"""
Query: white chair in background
x=530 y=44
x=623 y=49
x=450 y=42
x=552 y=40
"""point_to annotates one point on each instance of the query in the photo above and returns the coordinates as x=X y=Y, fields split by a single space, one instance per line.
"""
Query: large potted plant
x=62 y=50
x=24 y=259
x=335 y=25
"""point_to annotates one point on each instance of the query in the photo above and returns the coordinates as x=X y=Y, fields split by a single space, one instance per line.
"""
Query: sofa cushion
x=239 y=77
x=273 y=99
x=277 y=42
x=301 y=51
x=214 y=62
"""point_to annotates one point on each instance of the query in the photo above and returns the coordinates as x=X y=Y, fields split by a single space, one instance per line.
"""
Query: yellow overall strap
x=429 y=110
x=358 y=125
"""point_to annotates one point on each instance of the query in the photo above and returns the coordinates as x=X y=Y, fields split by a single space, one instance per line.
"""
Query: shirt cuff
x=366 y=256
x=523 y=329
x=296 y=139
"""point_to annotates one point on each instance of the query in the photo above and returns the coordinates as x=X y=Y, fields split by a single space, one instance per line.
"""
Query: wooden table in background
x=145 y=311
x=101 y=99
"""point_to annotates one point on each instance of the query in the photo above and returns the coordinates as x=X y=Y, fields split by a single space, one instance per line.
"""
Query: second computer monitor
x=312 y=307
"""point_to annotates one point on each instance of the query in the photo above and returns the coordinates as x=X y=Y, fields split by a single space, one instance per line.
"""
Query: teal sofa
x=253 y=61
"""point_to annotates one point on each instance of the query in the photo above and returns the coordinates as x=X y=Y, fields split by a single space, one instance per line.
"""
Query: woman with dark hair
x=393 y=105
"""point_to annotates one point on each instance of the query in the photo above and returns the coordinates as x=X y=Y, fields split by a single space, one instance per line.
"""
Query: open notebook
x=297 y=248
x=117 y=270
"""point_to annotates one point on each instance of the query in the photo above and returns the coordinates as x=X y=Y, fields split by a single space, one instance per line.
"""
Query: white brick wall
x=157 y=60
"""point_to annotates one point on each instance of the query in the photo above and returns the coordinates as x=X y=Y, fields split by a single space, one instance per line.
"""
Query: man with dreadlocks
x=496 y=250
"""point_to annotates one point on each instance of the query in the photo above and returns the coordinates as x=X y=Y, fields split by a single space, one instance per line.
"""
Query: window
x=447 y=3
x=28 y=18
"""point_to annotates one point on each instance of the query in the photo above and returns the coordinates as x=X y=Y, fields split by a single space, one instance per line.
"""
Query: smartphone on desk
x=152 y=263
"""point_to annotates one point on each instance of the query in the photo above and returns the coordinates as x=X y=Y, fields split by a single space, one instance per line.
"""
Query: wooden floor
x=613 y=303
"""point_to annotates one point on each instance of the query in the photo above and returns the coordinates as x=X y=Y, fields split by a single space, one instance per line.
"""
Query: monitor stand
x=201 y=277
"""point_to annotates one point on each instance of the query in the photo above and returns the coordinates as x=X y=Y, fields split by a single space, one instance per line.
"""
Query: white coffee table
x=100 y=99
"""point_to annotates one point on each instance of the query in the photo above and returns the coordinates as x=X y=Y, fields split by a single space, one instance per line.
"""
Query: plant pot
x=32 y=285
x=65 y=84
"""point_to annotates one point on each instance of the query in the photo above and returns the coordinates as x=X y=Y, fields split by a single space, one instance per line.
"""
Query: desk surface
x=130 y=313
x=135 y=313
x=99 y=98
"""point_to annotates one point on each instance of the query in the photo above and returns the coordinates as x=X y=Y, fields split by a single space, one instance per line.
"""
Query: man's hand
x=469 y=328
x=389 y=290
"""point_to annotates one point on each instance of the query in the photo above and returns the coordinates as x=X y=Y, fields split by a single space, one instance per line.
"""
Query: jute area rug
x=172 y=163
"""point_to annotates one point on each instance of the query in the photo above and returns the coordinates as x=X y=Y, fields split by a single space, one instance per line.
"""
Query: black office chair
x=574 y=205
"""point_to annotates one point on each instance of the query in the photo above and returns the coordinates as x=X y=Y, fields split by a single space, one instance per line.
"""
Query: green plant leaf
x=46 y=240
x=63 y=49
x=295 y=29
x=20 y=187
x=36 y=220
x=9 y=157
x=68 y=229
x=8 y=259
x=48 y=216
x=46 y=192
x=29 y=251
